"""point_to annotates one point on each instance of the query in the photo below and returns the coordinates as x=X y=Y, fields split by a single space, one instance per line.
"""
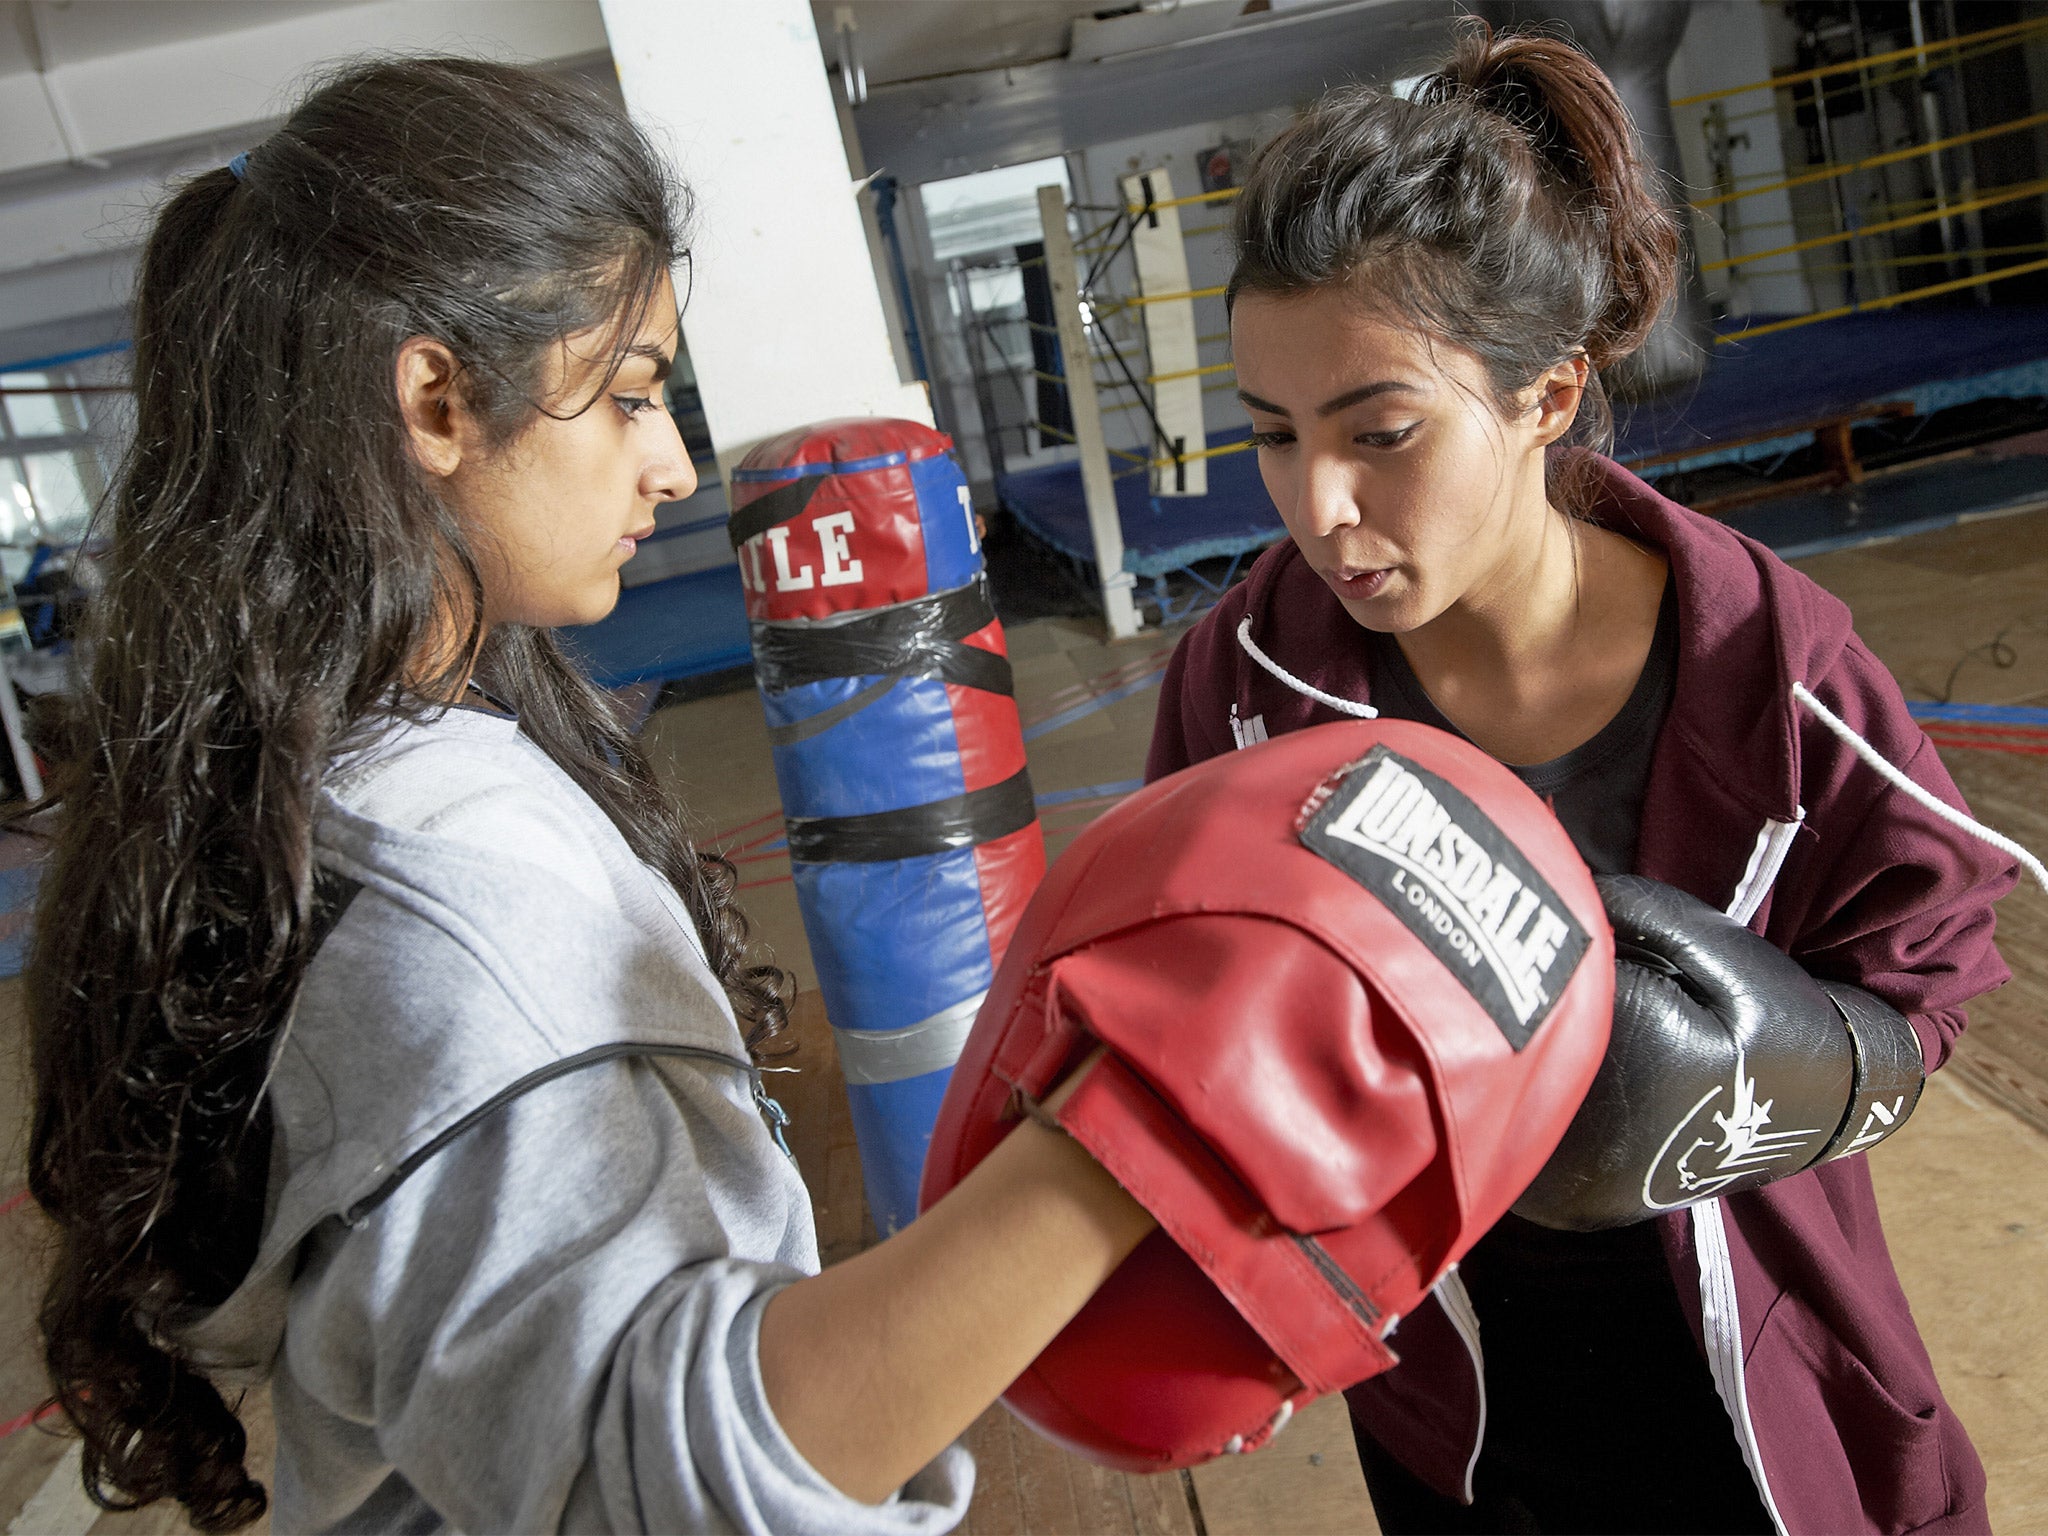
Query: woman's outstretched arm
x=876 y=1365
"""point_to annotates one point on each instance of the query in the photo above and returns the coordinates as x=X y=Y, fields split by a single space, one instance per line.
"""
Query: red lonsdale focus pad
x=1354 y=983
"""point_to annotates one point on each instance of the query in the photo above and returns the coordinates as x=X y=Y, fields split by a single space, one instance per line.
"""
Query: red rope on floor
x=16 y=1425
x=717 y=837
x=1974 y=744
x=1986 y=728
x=754 y=842
x=1102 y=682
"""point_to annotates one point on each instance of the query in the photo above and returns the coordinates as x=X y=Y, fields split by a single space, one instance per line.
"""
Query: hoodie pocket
x=1862 y=1446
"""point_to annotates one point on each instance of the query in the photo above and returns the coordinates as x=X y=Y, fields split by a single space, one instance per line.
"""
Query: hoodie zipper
x=1720 y=1313
x=1721 y=1327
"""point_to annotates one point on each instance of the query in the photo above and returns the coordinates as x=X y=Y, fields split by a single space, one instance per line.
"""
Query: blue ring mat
x=681 y=627
x=1161 y=533
x=1933 y=357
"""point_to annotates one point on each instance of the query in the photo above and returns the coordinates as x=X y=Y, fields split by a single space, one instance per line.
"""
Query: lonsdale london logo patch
x=1460 y=884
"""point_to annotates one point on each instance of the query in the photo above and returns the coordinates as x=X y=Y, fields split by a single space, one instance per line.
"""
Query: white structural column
x=1077 y=359
x=1161 y=254
x=785 y=323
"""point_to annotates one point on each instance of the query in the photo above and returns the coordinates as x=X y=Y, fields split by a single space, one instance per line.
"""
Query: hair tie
x=239 y=166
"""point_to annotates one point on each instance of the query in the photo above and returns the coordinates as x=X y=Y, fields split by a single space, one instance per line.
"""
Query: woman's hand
x=876 y=1365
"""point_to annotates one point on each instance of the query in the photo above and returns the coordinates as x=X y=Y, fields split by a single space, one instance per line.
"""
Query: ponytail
x=1587 y=150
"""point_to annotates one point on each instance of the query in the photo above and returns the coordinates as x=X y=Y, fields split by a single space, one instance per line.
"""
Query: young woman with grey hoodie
x=391 y=1040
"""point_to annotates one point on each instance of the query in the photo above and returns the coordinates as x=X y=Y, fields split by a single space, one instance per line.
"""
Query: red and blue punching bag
x=913 y=836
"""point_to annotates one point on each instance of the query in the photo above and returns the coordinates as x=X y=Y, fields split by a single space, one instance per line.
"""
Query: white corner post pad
x=1077 y=360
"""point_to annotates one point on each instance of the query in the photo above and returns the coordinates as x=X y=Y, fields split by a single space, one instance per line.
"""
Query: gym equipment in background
x=1109 y=464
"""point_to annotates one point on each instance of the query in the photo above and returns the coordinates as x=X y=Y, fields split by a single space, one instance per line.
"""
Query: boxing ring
x=1140 y=491
x=1161 y=537
x=1930 y=359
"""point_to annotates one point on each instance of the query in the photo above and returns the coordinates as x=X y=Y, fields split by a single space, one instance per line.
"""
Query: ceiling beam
x=68 y=221
x=88 y=146
x=124 y=103
x=49 y=297
x=926 y=130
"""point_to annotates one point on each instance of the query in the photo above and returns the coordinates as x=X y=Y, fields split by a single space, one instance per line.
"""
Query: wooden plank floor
x=2004 y=1052
x=1964 y=1191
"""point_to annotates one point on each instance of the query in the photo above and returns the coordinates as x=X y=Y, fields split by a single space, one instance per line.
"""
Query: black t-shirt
x=1596 y=789
x=1590 y=1362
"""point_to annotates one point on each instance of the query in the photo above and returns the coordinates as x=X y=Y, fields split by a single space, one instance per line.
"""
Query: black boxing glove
x=1729 y=1066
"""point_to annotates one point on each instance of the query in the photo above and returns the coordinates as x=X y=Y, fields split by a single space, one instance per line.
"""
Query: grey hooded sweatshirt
x=524 y=1209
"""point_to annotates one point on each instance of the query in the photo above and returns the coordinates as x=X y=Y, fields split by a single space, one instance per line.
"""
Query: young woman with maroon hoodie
x=1426 y=293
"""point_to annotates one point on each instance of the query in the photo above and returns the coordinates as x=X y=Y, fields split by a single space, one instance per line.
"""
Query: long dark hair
x=1505 y=207
x=276 y=568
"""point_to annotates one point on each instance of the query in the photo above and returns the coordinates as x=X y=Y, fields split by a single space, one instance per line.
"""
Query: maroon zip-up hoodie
x=1756 y=806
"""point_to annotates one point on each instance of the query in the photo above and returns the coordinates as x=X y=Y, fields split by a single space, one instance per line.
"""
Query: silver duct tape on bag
x=891 y=1055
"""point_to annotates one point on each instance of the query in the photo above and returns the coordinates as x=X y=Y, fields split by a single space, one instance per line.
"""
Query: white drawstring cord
x=1342 y=706
x=1900 y=781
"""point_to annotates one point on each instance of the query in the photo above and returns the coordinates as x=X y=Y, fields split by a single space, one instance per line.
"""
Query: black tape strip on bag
x=959 y=821
x=920 y=638
x=777 y=506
